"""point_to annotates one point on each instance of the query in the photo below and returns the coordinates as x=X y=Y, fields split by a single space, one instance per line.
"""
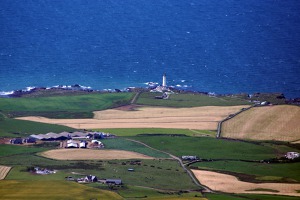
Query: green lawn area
x=123 y=144
x=78 y=106
x=168 y=131
x=159 y=173
x=133 y=193
x=208 y=148
x=150 y=173
x=20 y=128
x=24 y=189
x=188 y=100
x=9 y=150
x=284 y=172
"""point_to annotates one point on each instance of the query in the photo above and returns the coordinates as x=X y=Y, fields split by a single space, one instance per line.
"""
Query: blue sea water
x=228 y=46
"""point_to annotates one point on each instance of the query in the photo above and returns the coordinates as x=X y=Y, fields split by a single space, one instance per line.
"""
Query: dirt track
x=230 y=184
x=201 y=118
x=90 y=154
x=265 y=123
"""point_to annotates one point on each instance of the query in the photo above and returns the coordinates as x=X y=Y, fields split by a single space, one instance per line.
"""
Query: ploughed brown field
x=230 y=184
x=265 y=123
x=91 y=154
x=4 y=171
x=201 y=118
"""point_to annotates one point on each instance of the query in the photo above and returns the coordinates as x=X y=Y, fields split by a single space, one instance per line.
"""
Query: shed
x=114 y=181
x=16 y=141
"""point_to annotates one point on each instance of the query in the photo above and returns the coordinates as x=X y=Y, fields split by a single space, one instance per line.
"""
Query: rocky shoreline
x=270 y=98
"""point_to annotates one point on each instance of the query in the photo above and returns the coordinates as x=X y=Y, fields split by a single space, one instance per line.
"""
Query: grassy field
x=265 y=123
x=133 y=193
x=284 y=172
x=11 y=150
x=51 y=190
x=168 y=131
x=20 y=128
x=208 y=148
x=79 y=106
x=188 y=100
x=123 y=144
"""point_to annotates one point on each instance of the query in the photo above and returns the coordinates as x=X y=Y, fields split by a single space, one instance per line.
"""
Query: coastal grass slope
x=189 y=100
x=279 y=123
x=77 y=106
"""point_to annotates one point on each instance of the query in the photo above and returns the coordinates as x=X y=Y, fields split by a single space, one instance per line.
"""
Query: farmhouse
x=90 y=179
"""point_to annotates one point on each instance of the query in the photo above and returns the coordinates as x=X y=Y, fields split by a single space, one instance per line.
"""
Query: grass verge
x=156 y=131
x=188 y=100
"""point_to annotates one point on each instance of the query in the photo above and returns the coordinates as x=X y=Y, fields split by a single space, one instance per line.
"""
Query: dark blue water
x=214 y=46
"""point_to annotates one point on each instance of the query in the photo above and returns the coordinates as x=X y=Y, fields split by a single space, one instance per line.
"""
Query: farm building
x=75 y=135
x=189 y=157
x=72 y=144
x=113 y=181
x=16 y=141
x=83 y=144
x=29 y=140
x=90 y=179
x=292 y=155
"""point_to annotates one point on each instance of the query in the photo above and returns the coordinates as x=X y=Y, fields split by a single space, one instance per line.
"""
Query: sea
x=228 y=46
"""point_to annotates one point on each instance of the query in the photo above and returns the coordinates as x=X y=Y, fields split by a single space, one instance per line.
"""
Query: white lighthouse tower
x=164 y=81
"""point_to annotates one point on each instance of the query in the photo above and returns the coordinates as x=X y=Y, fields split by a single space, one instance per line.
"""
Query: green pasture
x=276 y=172
x=51 y=190
x=78 y=106
x=167 y=131
x=21 y=128
x=134 y=192
x=123 y=144
x=208 y=148
x=150 y=173
x=12 y=150
x=188 y=100
x=159 y=173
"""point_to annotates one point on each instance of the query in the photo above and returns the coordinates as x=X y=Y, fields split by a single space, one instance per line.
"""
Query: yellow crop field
x=280 y=123
x=200 y=118
x=90 y=154
x=230 y=184
x=4 y=171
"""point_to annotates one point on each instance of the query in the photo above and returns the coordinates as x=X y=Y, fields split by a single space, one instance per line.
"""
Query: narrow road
x=135 y=98
x=180 y=162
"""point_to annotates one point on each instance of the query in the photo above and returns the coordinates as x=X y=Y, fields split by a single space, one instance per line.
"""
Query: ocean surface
x=229 y=46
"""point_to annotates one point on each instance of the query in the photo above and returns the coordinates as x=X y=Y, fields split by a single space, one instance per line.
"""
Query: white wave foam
x=6 y=93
